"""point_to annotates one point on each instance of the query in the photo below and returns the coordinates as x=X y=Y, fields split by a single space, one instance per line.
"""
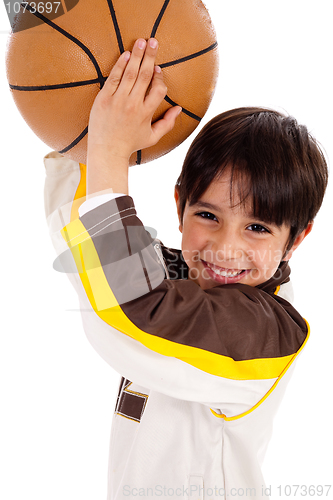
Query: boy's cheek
x=191 y=255
x=278 y=256
x=266 y=256
x=195 y=256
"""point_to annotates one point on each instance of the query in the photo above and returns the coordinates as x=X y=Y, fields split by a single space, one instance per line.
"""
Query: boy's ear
x=299 y=240
x=178 y=208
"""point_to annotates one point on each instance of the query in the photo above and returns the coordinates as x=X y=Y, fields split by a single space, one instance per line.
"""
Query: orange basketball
x=56 y=64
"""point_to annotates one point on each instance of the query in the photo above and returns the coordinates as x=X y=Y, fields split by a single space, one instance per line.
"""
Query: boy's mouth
x=224 y=275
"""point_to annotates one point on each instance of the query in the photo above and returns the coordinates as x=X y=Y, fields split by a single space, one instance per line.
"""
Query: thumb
x=166 y=124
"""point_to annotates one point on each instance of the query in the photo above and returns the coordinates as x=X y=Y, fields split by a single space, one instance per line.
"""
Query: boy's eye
x=207 y=215
x=258 y=228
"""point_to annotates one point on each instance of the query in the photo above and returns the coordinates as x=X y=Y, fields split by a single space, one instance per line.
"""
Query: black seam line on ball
x=75 y=142
x=191 y=56
x=116 y=26
x=72 y=38
x=37 y=88
x=139 y=157
x=185 y=111
x=159 y=18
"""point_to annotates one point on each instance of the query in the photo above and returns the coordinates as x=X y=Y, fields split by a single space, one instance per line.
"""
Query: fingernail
x=158 y=69
x=179 y=111
x=141 y=44
x=153 y=43
x=127 y=56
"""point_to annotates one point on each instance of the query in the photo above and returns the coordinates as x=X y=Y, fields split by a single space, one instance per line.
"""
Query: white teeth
x=225 y=274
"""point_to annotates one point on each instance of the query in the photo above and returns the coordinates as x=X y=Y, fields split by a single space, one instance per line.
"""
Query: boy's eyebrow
x=204 y=204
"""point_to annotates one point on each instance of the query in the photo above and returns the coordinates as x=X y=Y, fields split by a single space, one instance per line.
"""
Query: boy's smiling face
x=223 y=243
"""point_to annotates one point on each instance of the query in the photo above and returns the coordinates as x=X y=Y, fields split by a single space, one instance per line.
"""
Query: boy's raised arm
x=121 y=118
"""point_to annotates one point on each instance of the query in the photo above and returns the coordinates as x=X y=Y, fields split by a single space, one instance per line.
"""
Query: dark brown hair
x=283 y=168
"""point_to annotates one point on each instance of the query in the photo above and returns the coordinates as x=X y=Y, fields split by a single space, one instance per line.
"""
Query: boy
x=204 y=338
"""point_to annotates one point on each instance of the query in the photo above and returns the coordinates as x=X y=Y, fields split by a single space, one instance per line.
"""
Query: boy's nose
x=227 y=246
x=229 y=252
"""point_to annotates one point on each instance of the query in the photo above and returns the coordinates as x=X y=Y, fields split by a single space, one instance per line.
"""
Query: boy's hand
x=121 y=117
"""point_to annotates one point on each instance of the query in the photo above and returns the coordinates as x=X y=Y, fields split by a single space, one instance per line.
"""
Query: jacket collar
x=281 y=276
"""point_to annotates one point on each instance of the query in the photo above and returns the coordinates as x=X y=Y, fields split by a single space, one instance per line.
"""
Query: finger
x=157 y=92
x=113 y=80
x=166 y=124
x=146 y=71
x=132 y=69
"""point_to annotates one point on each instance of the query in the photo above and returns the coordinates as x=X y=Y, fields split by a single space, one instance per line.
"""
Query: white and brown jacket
x=203 y=370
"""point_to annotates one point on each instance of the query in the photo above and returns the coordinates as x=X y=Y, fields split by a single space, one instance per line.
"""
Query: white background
x=57 y=396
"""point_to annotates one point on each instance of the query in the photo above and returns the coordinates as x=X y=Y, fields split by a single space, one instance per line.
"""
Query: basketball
x=57 y=65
